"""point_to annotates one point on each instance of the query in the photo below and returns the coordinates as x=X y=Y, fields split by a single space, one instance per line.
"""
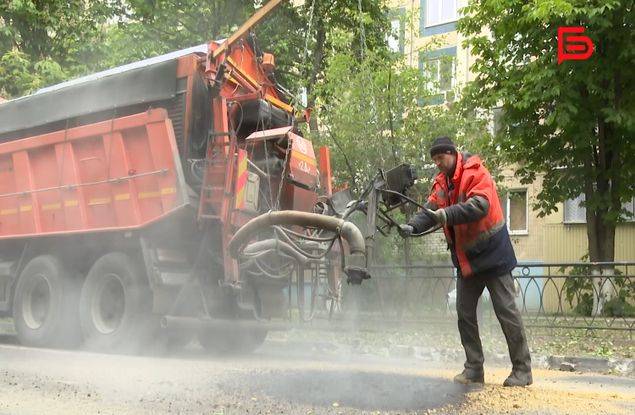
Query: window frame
x=565 y=210
x=632 y=218
x=497 y=114
x=438 y=97
x=566 y=221
x=507 y=210
x=437 y=28
x=438 y=88
x=398 y=14
x=441 y=22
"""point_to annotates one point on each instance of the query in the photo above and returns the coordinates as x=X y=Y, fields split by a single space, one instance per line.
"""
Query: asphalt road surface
x=282 y=378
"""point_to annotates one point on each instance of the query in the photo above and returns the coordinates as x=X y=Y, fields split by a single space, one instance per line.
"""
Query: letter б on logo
x=572 y=46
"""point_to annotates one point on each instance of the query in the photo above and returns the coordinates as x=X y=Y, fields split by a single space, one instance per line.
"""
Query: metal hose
x=268 y=244
x=355 y=269
x=346 y=230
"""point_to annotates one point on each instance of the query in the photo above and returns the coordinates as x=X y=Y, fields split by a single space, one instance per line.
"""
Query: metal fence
x=589 y=296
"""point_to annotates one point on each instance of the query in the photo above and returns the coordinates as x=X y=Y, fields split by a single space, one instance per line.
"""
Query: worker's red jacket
x=475 y=227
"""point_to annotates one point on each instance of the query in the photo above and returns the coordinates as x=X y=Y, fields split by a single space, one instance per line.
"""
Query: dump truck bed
x=111 y=175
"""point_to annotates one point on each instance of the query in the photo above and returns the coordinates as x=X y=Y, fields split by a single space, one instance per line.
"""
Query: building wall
x=550 y=240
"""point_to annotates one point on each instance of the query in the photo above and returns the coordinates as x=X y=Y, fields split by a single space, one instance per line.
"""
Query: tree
x=150 y=27
x=45 y=41
x=372 y=117
x=573 y=122
x=366 y=21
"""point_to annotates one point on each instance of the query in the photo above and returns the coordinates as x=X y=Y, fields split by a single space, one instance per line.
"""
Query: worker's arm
x=477 y=201
x=473 y=209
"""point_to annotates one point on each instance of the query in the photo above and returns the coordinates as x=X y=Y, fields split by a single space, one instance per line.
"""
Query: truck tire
x=45 y=305
x=238 y=341
x=115 y=306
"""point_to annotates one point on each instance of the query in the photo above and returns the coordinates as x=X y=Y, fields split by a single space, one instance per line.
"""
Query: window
x=495 y=124
x=574 y=212
x=393 y=39
x=397 y=31
x=439 y=11
x=440 y=73
x=502 y=199
x=439 y=67
x=630 y=208
x=517 y=210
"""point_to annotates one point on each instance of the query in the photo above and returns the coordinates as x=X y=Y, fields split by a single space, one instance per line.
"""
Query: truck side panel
x=112 y=175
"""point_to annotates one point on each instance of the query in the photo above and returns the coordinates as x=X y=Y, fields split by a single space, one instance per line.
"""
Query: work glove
x=426 y=222
x=405 y=230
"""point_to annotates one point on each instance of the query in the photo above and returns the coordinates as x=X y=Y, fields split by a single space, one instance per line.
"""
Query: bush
x=618 y=307
x=584 y=307
x=578 y=289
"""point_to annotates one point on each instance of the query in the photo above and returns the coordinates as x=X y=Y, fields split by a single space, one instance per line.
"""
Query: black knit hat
x=442 y=145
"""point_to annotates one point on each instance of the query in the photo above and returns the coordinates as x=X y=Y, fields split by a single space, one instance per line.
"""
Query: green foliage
x=572 y=122
x=584 y=307
x=149 y=28
x=619 y=307
x=340 y=27
x=578 y=289
x=15 y=73
x=19 y=75
x=43 y=42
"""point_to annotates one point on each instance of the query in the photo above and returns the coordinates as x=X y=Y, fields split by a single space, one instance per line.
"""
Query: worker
x=464 y=201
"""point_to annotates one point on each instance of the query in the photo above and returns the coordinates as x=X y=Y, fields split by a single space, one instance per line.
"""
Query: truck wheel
x=232 y=341
x=115 y=307
x=45 y=305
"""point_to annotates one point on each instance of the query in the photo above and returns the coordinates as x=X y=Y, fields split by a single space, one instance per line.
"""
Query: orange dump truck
x=170 y=193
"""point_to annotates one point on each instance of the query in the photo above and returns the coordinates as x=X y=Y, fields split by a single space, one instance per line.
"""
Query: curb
x=624 y=367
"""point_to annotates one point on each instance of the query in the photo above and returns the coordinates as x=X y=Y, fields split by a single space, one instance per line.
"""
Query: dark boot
x=518 y=378
x=470 y=376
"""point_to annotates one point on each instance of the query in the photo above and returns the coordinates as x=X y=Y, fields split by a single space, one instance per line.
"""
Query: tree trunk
x=601 y=237
x=601 y=232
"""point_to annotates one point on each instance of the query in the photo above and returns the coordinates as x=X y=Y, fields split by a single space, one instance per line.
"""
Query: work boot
x=518 y=378
x=470 y=376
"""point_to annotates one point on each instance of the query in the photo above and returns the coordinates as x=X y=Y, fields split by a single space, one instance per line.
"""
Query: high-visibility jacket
x=475 y=227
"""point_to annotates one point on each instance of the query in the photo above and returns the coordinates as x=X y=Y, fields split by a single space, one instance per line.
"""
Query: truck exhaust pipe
x=355 y=269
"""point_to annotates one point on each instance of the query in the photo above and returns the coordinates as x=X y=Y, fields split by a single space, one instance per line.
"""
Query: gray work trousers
x=502 y=293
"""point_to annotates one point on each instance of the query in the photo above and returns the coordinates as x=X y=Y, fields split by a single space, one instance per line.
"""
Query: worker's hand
x=405 y=230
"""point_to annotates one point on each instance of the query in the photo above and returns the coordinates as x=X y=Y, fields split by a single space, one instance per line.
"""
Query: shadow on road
x=360 y=390
x=8 y=339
